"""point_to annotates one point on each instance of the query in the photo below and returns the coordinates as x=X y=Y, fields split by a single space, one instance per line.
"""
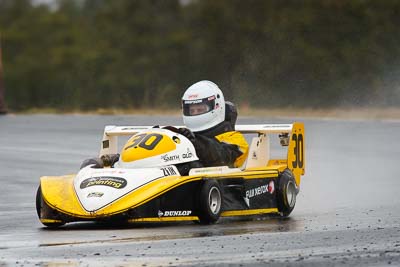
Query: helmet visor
x=198 y=106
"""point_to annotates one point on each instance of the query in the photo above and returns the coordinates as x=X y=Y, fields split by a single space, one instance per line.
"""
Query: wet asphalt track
x=347 y=213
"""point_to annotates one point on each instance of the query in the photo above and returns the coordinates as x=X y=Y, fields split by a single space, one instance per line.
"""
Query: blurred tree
x=88 y=54
x=3 y=108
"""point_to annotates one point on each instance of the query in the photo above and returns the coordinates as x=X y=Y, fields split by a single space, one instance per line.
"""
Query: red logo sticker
x=271 y=187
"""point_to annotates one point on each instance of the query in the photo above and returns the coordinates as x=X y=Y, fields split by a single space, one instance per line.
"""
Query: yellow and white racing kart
x=146 y=185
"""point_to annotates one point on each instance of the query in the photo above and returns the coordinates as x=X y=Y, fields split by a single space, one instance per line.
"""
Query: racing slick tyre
x=286 y=193
x=40 y=205
x=210 y=202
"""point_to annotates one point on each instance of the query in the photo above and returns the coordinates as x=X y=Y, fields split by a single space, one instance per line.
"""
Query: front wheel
x=210 y=202
x=41 y=205
x=286 y=193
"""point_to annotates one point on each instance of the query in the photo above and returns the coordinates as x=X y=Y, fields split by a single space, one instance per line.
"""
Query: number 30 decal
x=141 y=140
x=298 y=151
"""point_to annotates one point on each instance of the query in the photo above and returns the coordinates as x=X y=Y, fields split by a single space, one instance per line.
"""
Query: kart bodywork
x=145 y=185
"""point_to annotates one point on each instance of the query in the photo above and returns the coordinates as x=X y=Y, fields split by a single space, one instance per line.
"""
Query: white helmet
x=203 y=106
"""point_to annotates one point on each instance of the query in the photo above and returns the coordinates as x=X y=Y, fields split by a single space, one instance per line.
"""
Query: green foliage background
x=87 y=54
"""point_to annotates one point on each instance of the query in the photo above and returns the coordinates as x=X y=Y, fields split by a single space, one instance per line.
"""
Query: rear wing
x=291 y=135
x=264 y=128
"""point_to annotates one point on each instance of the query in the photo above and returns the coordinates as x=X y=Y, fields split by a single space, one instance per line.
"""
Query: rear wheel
x=286 y=193
x=210 y=202
x=41 y=205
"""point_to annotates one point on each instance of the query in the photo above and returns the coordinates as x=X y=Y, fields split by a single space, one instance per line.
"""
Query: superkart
x=151 y=182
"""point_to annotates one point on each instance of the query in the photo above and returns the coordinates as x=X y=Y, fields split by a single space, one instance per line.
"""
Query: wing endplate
x=296 y=151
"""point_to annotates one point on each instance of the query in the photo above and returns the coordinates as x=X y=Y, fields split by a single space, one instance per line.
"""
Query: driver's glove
x=109 y=159
x=187 y=133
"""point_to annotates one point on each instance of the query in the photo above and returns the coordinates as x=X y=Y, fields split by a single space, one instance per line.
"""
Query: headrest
x=230 y=113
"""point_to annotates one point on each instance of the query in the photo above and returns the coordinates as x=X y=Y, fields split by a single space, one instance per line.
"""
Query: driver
x=210 y=126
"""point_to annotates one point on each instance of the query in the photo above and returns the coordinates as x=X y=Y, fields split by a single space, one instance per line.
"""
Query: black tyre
x=38 y=201
x=286 y=193
x=41 y=205
x=210 y=199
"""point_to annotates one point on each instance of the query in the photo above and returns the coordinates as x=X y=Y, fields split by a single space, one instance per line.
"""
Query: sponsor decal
x=193 y=96
x=115 y=182
x=263 y=189
x=256 y=191
x=168 y=171
x=210 y=169
x=198 y=101
x=270 y=188
x=187 y=155
x=176 y=139
x=277 y=126
x=95 y=194
x=167 y=157
x=174 y=213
